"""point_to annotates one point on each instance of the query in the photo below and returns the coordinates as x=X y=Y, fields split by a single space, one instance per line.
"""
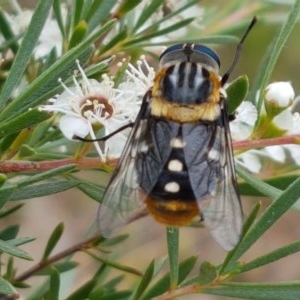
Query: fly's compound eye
x=195 y=53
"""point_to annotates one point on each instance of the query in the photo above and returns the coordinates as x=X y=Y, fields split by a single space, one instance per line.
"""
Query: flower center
x=99 y=106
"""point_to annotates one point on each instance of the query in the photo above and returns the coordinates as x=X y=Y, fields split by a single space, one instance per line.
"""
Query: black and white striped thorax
x=186 y=83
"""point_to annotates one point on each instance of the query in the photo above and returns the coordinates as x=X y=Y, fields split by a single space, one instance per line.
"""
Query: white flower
x=284 y=120
x=280 y=94
x=278 y=97
x=294 y=151
x=250 y=160
x=50 y=38
x=291 y=122
x=295 y=128
x=242 y=126
x=143 y=80
x=90 y=104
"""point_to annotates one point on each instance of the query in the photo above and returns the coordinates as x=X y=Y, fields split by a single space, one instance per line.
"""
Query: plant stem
x=251 y=144
x=25 y=166
x=173 y=249
x=186 y=290
x=86 y=244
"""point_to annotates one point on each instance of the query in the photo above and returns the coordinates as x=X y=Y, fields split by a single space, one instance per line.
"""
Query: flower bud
x=277 y=97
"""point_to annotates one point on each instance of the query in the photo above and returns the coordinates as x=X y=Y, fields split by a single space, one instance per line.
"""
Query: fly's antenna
x=238 y=52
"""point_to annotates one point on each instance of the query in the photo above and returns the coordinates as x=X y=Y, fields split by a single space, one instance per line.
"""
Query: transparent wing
x=123 y=200
x=138 y=170
x=223 y=215
x=214 y=183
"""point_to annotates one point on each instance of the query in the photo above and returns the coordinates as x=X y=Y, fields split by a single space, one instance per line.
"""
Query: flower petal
x=241 y=128
x=281 y=93
x=71 y=126
x=250 y=160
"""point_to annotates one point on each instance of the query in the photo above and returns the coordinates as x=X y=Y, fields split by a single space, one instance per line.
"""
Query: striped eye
x=200 y=49
x=190 y=53
x=174 y=48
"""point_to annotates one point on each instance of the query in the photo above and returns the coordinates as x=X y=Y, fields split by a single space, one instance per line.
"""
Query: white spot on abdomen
x=172 y=187
x=177 y=142
x=175 y=165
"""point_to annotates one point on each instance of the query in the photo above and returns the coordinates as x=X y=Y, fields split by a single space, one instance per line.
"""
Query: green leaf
x=77 y=11
x=20 y=241
x=7 y=192
x=116 y=265
x=3 y=179
x=54 y=285
x=163 y=284
x=215 y=39
x=48 y=61
x=207 y=273
x=114 y=240
x=94 y=191
x=97 y=293
x=99 y=11
x=10 y=269
x=167 y=16
x=271 y=215
x=78 y=34
x=46 y=175
x=146 y=279
x=120 y=36
x=173 y=252
x=61 y=267
x=271 y=256
x=147 y=12
x=9 y=232
x=83 y=291
x=26 y=151
x=7 y=32
x=269 y=61
x=251 y=218
x=29 y=41
x=127 y=5
x=159 y=264
x=10 y=248
x=24 y=120
x=112 y=284
x=236 y=93
x=266 y=189
x=53 y=240
x=122 y=295
x=11 y=210
x=257 y=291
x=39 y=190
x=280 y=182
x=247 y=225
x=7 y=290
x=157 y=33
x=59 y=16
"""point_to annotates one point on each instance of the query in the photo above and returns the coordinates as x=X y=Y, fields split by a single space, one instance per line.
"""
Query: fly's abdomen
x=172 y=201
